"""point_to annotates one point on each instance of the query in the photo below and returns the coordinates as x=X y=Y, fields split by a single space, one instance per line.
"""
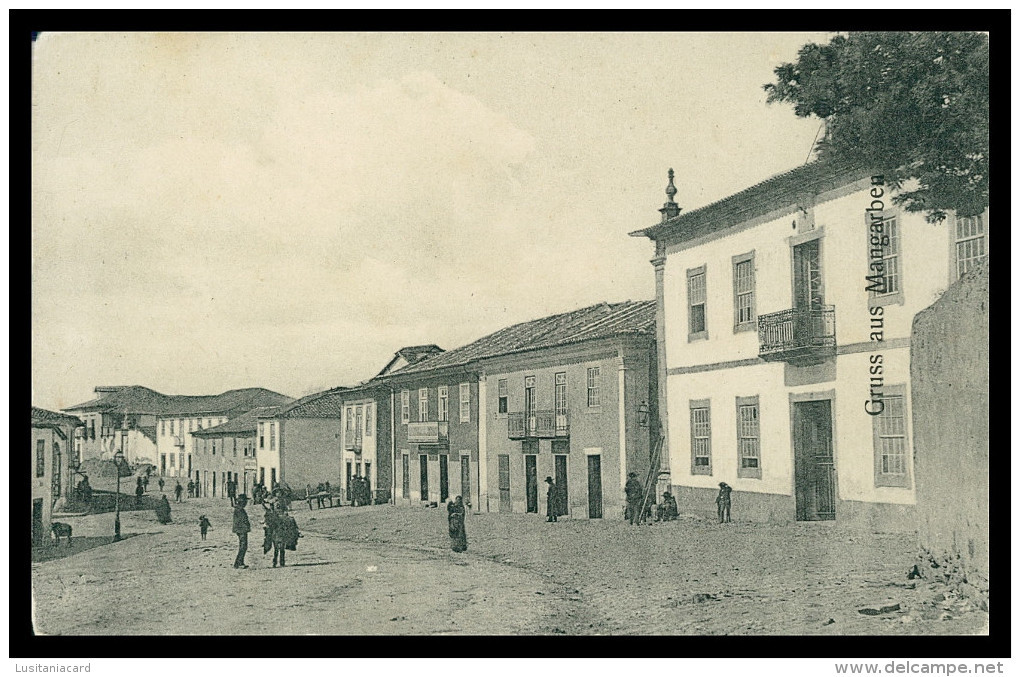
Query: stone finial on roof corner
x=670 y=208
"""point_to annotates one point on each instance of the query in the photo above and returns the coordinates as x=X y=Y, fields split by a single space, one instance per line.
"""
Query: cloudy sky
x=217 y=211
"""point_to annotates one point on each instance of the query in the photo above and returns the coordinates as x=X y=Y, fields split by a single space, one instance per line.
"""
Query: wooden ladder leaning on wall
x=652 y=478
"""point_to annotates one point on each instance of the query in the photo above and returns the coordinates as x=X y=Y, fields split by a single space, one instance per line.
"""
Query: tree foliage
x=913 y=104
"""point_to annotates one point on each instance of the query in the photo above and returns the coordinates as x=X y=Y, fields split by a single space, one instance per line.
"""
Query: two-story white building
x=784 y=314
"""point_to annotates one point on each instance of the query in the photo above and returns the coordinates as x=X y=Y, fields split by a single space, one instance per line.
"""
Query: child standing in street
x=203 y=525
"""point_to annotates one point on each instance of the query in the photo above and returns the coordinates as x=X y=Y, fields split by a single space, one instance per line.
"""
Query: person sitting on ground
x=667 y=510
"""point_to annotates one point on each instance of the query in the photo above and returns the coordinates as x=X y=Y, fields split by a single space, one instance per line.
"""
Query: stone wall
x=949 y=387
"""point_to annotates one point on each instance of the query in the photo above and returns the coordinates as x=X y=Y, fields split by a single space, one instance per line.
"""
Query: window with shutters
x=504 y=399
x=748 y=438
x=423 y=404
x=443 y=408
x=885 y=260
x=744 y=317
x=889 y=435
x=594 y=386
x=970 y=243
x=697 y=322
x=40 y=458
x=405 y=406
x=465 y=402
x=369 y=408
x=701 y=438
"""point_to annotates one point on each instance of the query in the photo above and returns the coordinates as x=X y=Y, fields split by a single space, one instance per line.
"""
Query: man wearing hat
x=722 y=502
x=552 y=501
x=241 y=527
x=633 y=491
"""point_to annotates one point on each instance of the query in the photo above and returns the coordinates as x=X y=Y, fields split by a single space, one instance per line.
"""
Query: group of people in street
x=667 y=510
x=360 y=491
x=281 y=530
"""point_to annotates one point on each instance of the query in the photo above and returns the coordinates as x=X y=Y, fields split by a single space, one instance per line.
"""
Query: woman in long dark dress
x=163 y=510
x=458 y=535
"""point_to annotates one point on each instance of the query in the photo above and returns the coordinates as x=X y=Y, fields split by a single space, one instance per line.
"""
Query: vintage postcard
x=510 y=333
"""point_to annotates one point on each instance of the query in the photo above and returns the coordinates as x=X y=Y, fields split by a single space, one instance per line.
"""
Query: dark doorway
x=423 y=464
x=347 y=486
x=465 y=479
x=561 y=481
x=444 y=478
x=815 y=471
x=504 y=483
x=214 y=483
x=37 y=522
x=595 y=486
x=531 y=482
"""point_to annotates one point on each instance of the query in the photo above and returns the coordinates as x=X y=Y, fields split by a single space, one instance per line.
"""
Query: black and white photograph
x=510 y=333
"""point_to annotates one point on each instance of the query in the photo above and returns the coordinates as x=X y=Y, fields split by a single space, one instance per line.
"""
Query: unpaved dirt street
x=386 y=570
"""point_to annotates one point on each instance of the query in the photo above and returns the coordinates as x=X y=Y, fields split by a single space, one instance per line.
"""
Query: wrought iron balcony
x=428 y=432
x=352 y=441
x=538 y=424
x=178 y=440
x=799 y=336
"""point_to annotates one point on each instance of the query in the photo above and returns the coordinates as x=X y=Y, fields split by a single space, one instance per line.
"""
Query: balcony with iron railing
x=799 y=336
x=353 y=441
x=428 y=432
x=538 y=424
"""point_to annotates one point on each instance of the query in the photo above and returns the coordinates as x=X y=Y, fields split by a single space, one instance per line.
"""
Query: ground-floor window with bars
x=701 y=438
x=889 y=428
x=748 y=438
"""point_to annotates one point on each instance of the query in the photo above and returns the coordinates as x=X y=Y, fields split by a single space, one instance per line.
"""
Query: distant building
x=560 y=396
x=409 y=355
x=227 y=452
x=300 y=443
x=150 y=427
x=53 y=466
x=366 y=439
x=784 y=315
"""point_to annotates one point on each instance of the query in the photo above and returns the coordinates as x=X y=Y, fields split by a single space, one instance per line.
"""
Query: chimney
x=670 y=209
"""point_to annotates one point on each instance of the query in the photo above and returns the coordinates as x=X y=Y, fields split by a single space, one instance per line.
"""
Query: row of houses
x=775 y=358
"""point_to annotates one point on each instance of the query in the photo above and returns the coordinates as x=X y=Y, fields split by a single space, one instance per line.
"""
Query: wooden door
x=465 y=479
x=815 y=480
x=531 y=482
x=423 y=464
x=405 y=472
x=444 y=478
x=561 y=482
x=595 y=486
x=504 y=483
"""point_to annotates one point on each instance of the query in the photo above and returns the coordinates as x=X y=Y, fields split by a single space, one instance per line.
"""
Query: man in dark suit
x=241 y=527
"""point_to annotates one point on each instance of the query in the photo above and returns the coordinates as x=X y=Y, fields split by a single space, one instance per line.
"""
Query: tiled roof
x=142 y=400
x=773 y=193
x=245 y=423
x=327 y=404
x=417 y=353
x=44 y=416
x=602 y=320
